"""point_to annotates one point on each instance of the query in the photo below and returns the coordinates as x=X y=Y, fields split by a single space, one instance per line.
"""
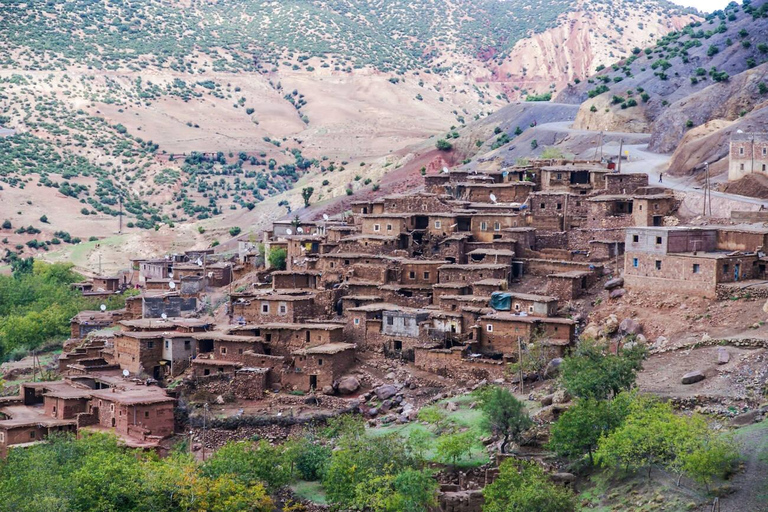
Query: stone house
x=317 y=367
x=748 y=154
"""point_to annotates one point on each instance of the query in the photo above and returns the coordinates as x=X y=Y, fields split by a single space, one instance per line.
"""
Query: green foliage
x=235 y=230
x=277 y=258
x=452 y=447
x=94 y=473
x=592 y=372
x=762 y=88
x=411 y=490
x=524 y=487
x=250 y=464
x=547 y=96
x=306 y=193
x=578 y=430
x=443 y=145
x=504 y=414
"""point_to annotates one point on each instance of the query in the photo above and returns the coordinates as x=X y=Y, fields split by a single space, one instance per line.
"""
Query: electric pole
x=621 y=150
x=120 y=216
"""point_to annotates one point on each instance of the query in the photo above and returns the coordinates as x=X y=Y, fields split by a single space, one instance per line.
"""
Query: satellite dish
x=325 y=216
x=288 y=231
x=172 y=285
x=493 y=198
x=739 y=131
x=210 y=274
x=170 y=274
x=199 y=262
x=445 y=170
x=164 y=316
x=299 y=230
x=126 y=373
x=103 y=307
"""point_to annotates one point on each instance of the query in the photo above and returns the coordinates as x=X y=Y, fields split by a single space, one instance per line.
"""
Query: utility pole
x=520 y=362
x=707 y=193
x=99 y=262
x=621 y=150
x=120 y=216
x=205 y=417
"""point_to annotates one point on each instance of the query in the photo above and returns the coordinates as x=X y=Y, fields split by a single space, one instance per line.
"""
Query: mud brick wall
x=542 y=267
x=449 y=363
x=624 y=183
x=154 y=307
x=552 y=240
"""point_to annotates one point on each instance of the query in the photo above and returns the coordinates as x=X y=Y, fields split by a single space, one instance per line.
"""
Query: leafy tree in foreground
x=524 y=487
x=252 y=463
x=504 y=414
x=592 y=372
x=578 y=430
x=452 y=447
x=306 y=193
x=277 y=258
x=408 y=491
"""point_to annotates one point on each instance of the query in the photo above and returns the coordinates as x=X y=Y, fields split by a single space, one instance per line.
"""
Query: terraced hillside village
x=347 y=256
x=204 y=116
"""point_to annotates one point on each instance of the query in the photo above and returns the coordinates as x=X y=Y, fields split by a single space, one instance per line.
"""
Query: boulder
x=616 y=282
x=561 y=396
x=386 y=405
x=640 y=339
x=617 y=293
x=348 y=385
x=547 y=400
x=591 y=331
x=386 y=391
x=553 y=368
x=220 y=400
x=661 y=341
x=452 y=406
x=312 y=400
x=747 y=418
x=328 y=390
x=693 y=377
x=611 y=324
x=722 y=355
x=630 y=326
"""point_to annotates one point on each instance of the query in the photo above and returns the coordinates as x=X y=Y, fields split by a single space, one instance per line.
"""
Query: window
x=268 y=337
x=265 y=307
x=282 y=308
x=389 y=227
x=483 y=226
x=150 y=344
x=346 y=262
x=635 y=263
x=411 y=275
x=357 y=321
x=377 y=227
x=530 y=310
x=658 y=240
x=32 y=434
x=187 y=344
x=543 y=206
x=517 y=307
x=741 y=167
x=398 y=345
x=640 y=207
x=319 y=362
x=240 y=351
x=497 y=226
x=167 y=344
x=390 y=320
x=112 y=407
x=489 y=327
x=438 y=224
x=696 y=268
x=741 y=151
x=206 y=372
x=635 y=238
x=765 y=151
x=764 y=167
x=146 y=414
x=223 y=350
x=658 y=264
x=726 y=268
x=559 y=176
x=559 y=206
x=2 y=437
x=426 y=275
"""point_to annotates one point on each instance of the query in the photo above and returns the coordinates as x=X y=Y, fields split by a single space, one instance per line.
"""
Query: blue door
x=736 y=272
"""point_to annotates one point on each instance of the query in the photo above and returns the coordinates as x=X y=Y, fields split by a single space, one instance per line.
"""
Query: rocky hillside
x=689 y=91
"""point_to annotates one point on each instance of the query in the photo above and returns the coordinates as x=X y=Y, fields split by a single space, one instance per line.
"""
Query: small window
x=268 y=337
x=640 y=207
x=656 y=206
x=438 y=224
x=32 y=434
x=726 y=268
x=346 y=262
x=319 y=362
x=765 y=151
x=559 y=176
x=635 y=238
x=377 y=227
x=658 y=240
x=167 y=344
x=741 y=167
x=764 y=167
x=2 y=437
x=543 y=206
x=559 y=206
x=489 y=327
x=206 y=372
x=112 y=407
x=223 y=350
x=696 y=268
x=265 y=307
x=635 y=263
x=187 y=344
x=389 y=227
x=497 y=226
x=426 y=275
x=357 y=321
x=517 y=307
x=283 y=309
x=150 y=344
x=658 y=264
x=530 y=310
x=390 y=320
x=398 y=345
x=741 y=151
x=483 y=226
x=411 y=275
x=146 y=414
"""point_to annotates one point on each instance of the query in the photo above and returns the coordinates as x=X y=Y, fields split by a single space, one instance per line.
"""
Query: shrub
x=443 y=145
x=234 y=231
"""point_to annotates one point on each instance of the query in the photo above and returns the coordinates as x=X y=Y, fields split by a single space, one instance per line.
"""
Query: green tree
x=579 y=429
x=593 y=372
x=277 y=257
x=410 y=490
x=306 y=193
x=443 y=145
x=452 y=447
x=523 y=486
x=235 y=230
x=251 y=463
x=504 y=414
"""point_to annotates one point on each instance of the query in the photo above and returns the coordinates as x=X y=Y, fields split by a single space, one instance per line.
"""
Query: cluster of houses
x=460 y=278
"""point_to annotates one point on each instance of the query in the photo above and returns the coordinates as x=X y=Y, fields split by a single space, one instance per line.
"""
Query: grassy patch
x=310 y=491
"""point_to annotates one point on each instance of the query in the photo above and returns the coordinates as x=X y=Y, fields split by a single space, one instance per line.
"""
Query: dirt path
x=752 y=484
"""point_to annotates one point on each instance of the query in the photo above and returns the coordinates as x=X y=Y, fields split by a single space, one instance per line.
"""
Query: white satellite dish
x=164 y=316
x=171 y=285
x=103 y=307
x=445 y=170
x=739 y=131
x=170 y=274
x=199 y=262
x=288 y=231
x=210 y=274
x=493 y=198
x=325 y=216
x=299 y=230
x=126 y=373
